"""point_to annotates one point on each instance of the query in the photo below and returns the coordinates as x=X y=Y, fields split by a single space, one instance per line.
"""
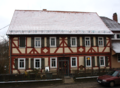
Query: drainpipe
x=10 y=55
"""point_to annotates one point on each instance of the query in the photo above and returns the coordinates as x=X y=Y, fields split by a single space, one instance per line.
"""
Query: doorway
x=63 y=65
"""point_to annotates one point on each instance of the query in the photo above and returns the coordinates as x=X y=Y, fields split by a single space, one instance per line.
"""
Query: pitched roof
x=111 y=24
x=56 y=22
x=115 y=46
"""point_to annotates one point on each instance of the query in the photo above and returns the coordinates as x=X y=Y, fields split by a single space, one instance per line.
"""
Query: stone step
x=68 y=80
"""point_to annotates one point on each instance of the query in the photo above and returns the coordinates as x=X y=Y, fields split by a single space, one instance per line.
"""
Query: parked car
x=111 y=78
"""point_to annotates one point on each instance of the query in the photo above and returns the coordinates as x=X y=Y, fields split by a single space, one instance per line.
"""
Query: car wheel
x=111 y=84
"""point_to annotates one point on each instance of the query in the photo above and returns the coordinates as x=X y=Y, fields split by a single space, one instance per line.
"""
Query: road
x=92 y=84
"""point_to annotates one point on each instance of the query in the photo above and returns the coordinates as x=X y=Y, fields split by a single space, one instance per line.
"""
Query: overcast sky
x=102 y=7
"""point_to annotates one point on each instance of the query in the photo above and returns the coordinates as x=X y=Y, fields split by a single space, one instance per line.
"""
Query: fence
x=92 y=72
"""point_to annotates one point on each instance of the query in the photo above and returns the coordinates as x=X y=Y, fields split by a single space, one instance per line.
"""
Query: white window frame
x=102 y=41
x=71 y=61
x=55 y=42
x=75 y=41
x=35 y=42
x=51 y=62
x=89 y=41
x=90 y=61
x=116 y=35
x=117 y=59
x=39 y=62
x=19 y=63
x=19 y=43
x=100 y=60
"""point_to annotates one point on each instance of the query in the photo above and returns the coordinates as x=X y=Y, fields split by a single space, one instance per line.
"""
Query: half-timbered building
x=64 y=41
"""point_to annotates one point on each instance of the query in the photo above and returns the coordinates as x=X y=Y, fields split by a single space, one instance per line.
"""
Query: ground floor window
x=53 y=62
x=21 y=63
x=73 y=61
x=88 y=61
x=102 y=60
x=37 y=63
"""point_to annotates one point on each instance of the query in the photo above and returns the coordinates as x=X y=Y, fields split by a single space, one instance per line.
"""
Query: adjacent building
x=64 y=41
x=114 y=26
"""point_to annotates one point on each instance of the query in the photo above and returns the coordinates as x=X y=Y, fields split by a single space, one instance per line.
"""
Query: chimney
x=44 y=9
x=115 y=17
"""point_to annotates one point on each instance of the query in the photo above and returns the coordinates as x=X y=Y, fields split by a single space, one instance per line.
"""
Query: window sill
x=53 y=67
x=73 y=66
x=21 y=68
x=73 y=46
x=87 y=46
x=52 y=46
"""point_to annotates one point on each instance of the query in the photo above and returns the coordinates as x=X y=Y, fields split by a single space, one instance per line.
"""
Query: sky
x=102 y=7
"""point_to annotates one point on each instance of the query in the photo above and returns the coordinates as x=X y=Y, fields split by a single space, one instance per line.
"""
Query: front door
x=63 y=66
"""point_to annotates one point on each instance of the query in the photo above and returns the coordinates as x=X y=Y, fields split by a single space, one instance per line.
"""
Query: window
x=37 y=42
x=102 y=60
x=88 y=61
x=21 y=63
x=21 y=41
x=73 y=61
x=87 y=41
x=118 y=58
x=73 y=42
x=52 y=41
x=37 y=63
x=118 y=36
x=100 y=41
x=53 y=62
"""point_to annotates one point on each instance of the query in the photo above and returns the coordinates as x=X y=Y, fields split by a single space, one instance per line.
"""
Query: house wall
x=46 y=52
x=115 y=63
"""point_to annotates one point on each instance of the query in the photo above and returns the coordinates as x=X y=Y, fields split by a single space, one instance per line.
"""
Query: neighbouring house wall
x=114 y=60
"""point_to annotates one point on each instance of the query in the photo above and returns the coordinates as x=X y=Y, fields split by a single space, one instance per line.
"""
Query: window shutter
x=96 y=41
x=93 y=61
x=42 y=42
x=22 y=41
x=16 y=63
x=91 y=41
x=48 y=42
x=84 y=62
x=42 y=63
x=27 y=61
x=68 y=41
x=57 y=42
x=32 y=63
x=104 y=41
x=98 y=61
x=32 y=42
x=83 y=41
x=78 y=41
x=106 y=61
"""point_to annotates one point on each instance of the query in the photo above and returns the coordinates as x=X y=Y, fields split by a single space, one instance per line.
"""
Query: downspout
x=10 y=56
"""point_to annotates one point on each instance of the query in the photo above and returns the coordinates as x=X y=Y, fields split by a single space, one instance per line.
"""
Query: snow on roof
x=115 y=46
x=56 y=22
x=111 y=24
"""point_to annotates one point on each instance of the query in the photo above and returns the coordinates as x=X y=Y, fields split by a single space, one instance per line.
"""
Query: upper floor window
x=52 y=41
x=118 y=58
x=88 y=61
x=102 y=60
x=73 y=61
x=118 y=35
x=73 y=41
x=21 y=41
x=37 y=42
x=100 y=41
x=37 y=63
x=53 y=62
x=87 y=41
x=21 y=63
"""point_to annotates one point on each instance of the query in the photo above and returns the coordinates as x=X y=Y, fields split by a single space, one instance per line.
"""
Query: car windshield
x=112 y=73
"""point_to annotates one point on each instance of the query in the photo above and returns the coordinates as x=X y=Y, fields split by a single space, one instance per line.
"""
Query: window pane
x=88 y=61
x=21 y=63
x=37 y=38
x=37 y=63
x=52 y=41
x=53 y=63
x=118 y=35
x=73 y=61
x=118 y=57
x=73 y=41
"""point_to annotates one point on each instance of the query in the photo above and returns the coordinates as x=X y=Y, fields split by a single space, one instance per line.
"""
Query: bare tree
x=4 y=58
